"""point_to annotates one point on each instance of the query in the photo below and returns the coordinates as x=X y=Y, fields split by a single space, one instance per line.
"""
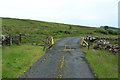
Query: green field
x=17 y=59
x=0 y=62
x=15 y=26
x=103 y=63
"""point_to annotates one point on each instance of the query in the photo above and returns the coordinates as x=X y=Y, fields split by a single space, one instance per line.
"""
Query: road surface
x=64 y=60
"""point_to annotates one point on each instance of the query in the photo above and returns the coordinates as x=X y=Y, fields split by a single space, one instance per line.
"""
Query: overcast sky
x=81 y=12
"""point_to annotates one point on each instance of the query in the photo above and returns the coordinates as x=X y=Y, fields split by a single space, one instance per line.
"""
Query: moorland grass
x=103 y=63
x=0 y=62
x=58 y=30
x=17 y=59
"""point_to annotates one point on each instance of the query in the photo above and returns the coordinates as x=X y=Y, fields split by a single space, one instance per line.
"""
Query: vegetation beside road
x=18 y=59
x=58 y=30
x=0 y=62
x=103 y=63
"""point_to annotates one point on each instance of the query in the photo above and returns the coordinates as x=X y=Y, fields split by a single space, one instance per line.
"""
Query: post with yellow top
x=52 y=40
x=82 y=41
x=49 y=41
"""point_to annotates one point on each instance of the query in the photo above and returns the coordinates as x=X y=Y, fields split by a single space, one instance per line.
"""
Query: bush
x=112 y=32
x=102 y=31
x=63 y=32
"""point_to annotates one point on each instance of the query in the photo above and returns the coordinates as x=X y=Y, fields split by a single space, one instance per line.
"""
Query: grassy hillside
x=14 y=26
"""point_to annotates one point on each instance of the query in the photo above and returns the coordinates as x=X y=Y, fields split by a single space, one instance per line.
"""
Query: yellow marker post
x=52 y=40
x=85 y=42
x=82 y=41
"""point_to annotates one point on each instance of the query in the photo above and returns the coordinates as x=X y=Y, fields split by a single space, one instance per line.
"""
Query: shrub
x=102 y=31
x=63 y=32
x=112 y=32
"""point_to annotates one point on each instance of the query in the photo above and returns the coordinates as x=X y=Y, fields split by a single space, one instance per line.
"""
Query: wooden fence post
x=11 y=40
x=20 y=37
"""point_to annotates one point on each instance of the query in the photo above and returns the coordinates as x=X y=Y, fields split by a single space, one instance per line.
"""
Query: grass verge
x=17 y=59
x=103 y=63
x=0 y=62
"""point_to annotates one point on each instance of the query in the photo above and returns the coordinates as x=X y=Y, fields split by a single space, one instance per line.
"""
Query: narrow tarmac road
x=64 y=60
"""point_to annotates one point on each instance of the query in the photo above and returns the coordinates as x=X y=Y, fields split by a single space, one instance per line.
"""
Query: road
x=64 y=60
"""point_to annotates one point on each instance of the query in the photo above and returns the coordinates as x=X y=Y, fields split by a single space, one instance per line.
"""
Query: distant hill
x=26 y=26
x=111 y=28
x=15 y=26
